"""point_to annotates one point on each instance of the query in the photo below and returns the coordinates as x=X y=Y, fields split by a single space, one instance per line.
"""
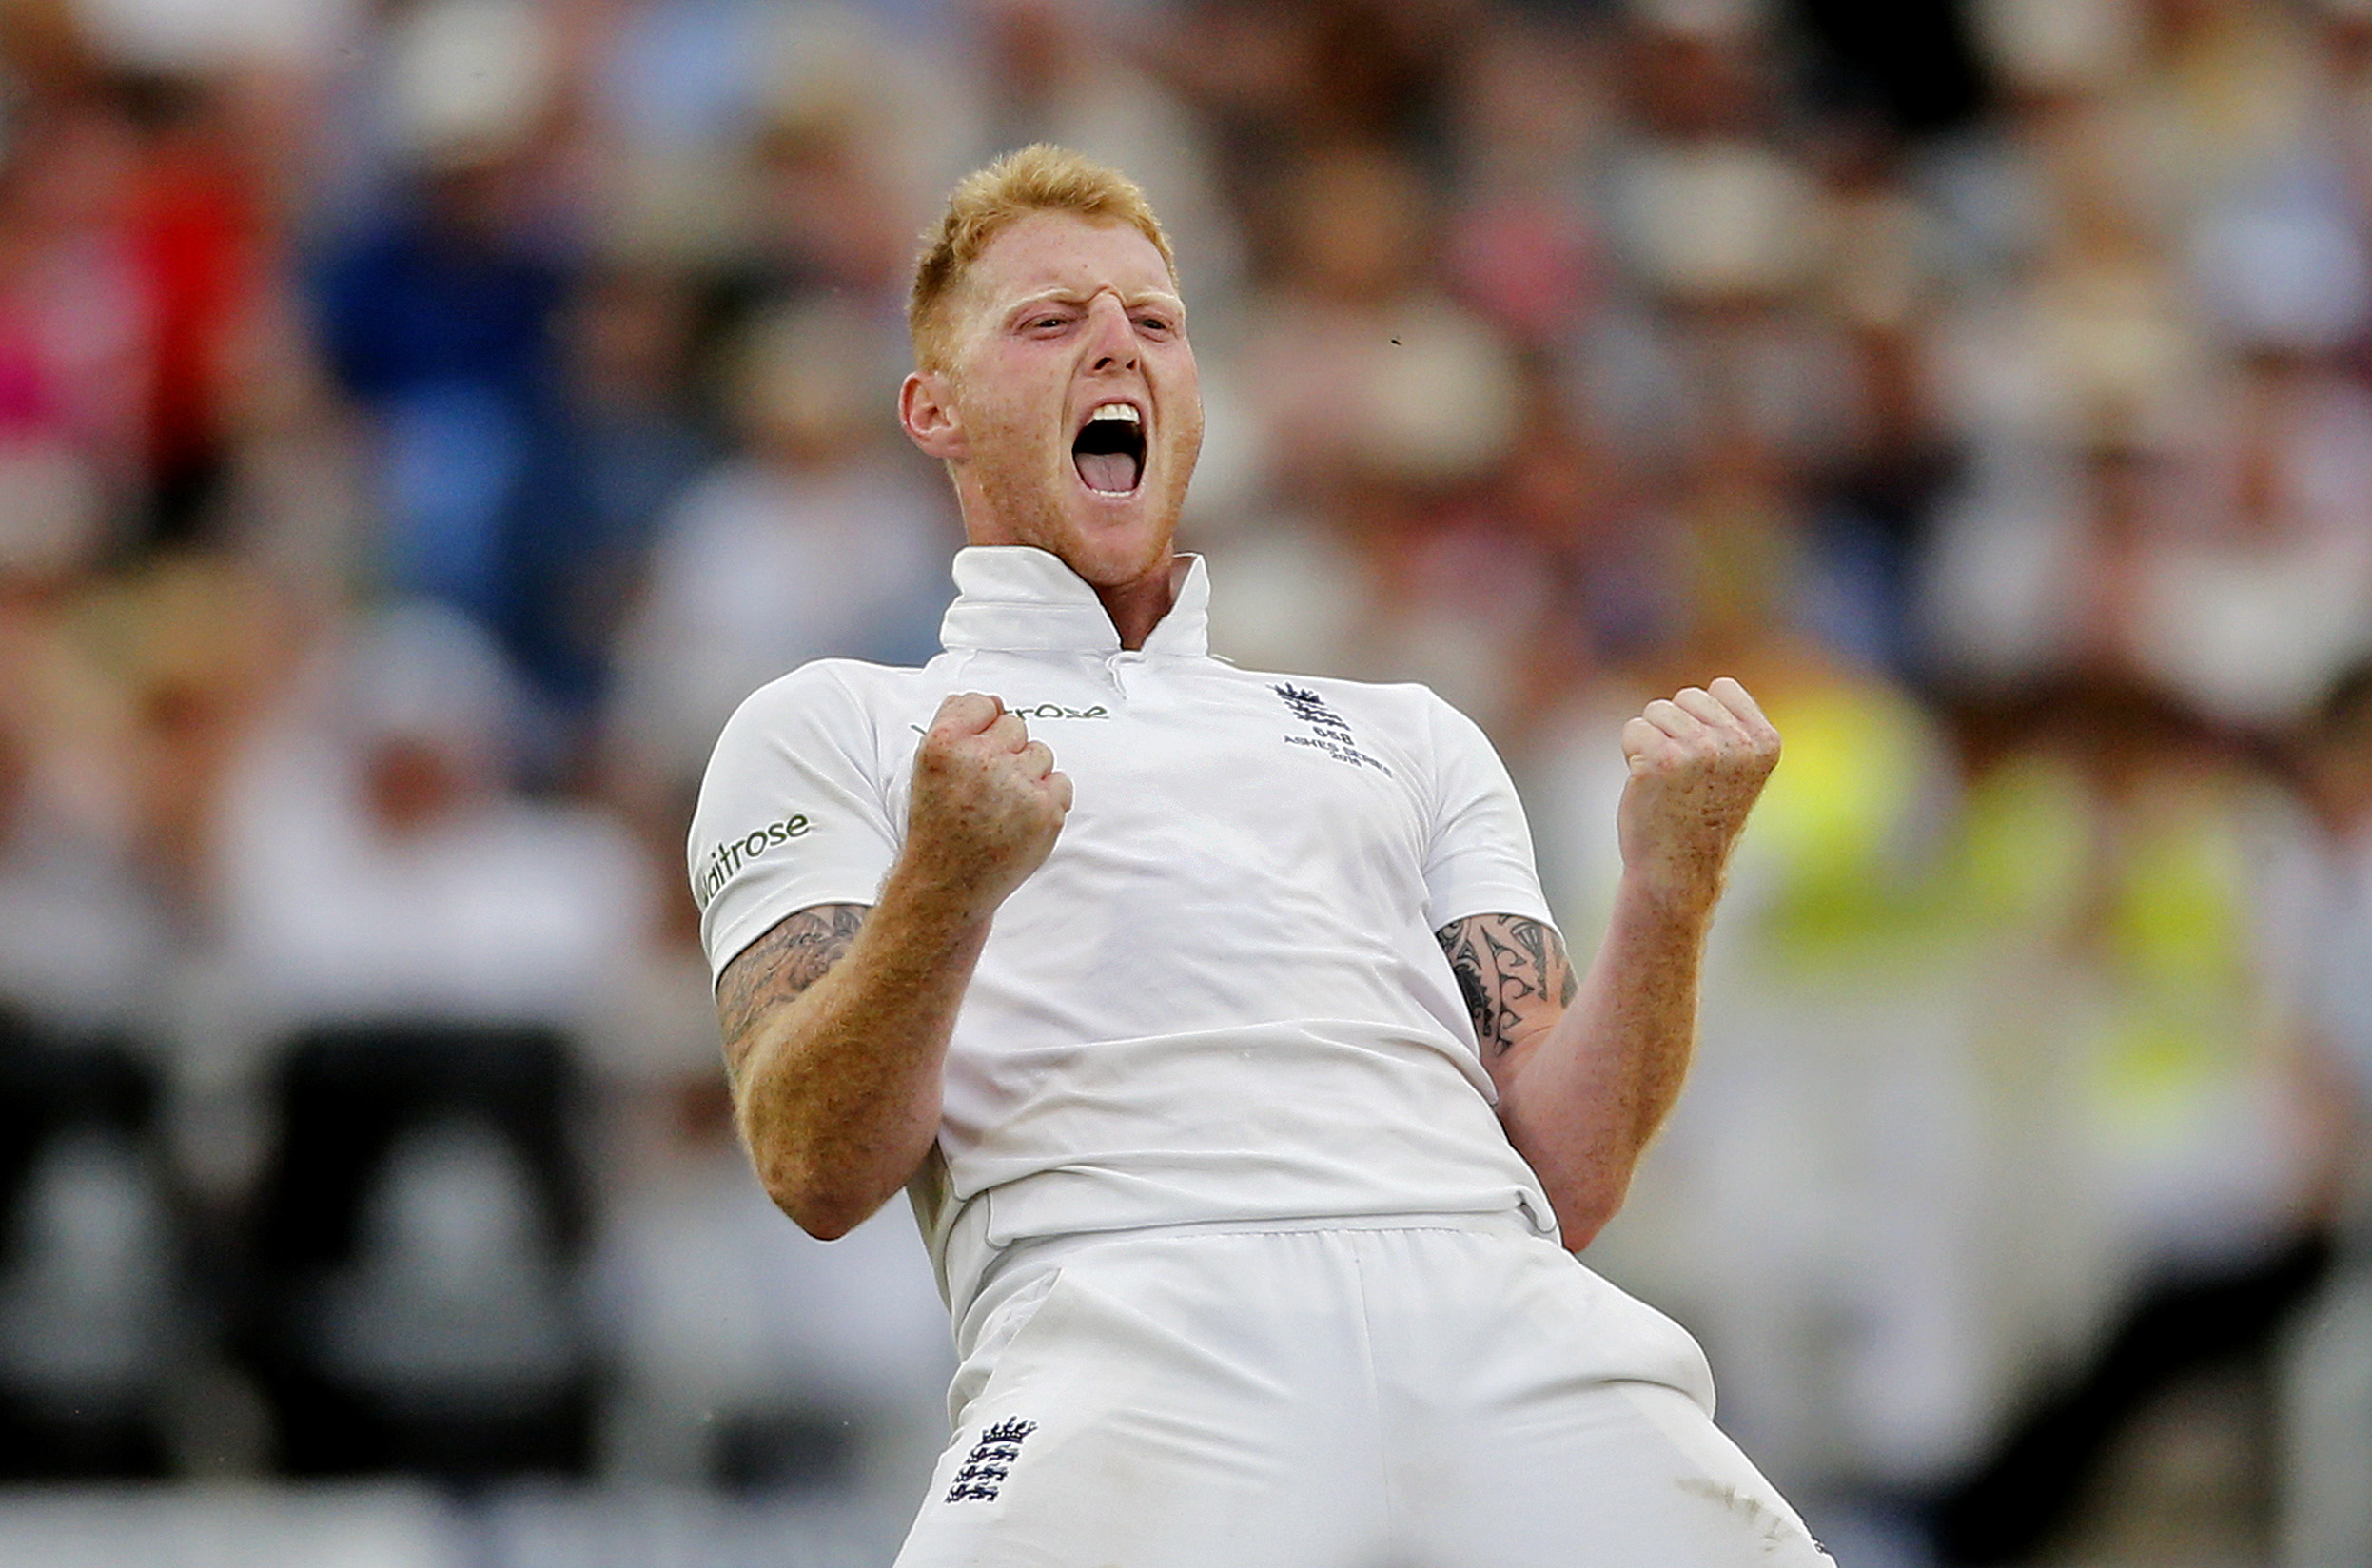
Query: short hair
x=1038 y=178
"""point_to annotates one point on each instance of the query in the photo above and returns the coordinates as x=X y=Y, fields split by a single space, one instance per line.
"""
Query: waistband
x=1014 y=1267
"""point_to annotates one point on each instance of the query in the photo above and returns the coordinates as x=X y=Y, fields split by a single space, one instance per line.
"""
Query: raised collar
x=1018 y=598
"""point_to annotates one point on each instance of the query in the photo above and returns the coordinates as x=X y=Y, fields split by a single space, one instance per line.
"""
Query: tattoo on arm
x=792 y=956
x=1508 y=968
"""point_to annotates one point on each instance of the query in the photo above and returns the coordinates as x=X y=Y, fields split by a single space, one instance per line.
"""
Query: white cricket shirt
x=1221 y=998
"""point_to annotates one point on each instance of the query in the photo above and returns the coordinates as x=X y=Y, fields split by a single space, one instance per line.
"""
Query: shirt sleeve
x=1479 y=859
x=793 y=811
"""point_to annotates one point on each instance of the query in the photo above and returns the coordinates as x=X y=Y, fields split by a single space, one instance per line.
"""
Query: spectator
x=815 y=538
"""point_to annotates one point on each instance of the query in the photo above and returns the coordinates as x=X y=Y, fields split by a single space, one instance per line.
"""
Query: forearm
x=1581 y=1099
x=836 y=1089
x=837 y=1021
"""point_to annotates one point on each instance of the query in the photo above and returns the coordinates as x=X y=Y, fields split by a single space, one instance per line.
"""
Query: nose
x=1112 y=346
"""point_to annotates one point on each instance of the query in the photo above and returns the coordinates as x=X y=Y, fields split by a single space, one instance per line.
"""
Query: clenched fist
x=1698 y=762
x=987 y=803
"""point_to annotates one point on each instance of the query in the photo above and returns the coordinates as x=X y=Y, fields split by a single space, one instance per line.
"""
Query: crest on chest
x=1324 y=729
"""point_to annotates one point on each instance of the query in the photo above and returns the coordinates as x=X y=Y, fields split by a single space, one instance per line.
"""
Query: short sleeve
x=1479 y=857
x=793 y=811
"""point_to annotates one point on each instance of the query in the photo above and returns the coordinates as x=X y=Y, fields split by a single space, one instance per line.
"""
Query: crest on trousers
x=990 y=1460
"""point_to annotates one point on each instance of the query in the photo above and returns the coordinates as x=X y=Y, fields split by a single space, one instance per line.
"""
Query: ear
x=927 y=409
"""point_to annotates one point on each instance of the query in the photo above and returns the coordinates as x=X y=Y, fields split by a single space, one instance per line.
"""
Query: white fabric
x=1221 y=998
x=1456 y=1395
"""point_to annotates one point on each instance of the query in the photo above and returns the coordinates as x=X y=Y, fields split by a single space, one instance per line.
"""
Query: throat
x=1138 y=606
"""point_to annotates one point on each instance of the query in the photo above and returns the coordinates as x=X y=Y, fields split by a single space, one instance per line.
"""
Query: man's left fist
x=1697 y=761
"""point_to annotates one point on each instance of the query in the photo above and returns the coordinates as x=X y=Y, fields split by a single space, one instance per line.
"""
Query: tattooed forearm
x=1508 y=968
x=780 y=965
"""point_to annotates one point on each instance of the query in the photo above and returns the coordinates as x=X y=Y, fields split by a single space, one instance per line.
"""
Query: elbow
x=829 y=1223
x=815 y=1191
x=825 y=1209
x=827 y=1177
x=826 y=1192
x=1585 y=1182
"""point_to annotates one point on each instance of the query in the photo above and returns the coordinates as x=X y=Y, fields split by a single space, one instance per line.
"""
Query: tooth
x=1114 y=411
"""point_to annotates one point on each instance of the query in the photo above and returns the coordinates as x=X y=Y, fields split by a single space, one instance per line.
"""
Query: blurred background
x=422 y=420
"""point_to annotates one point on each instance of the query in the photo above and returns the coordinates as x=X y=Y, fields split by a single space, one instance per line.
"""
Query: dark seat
x=96 y=1309
x=413 y=1254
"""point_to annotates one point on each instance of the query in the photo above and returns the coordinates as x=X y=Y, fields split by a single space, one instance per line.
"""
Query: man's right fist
x=987 y=803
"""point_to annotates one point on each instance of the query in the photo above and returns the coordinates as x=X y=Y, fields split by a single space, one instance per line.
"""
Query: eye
x=1156 y=324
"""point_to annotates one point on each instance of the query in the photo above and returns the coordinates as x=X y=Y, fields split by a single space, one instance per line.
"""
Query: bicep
x=1513 y=973
x=794 y=953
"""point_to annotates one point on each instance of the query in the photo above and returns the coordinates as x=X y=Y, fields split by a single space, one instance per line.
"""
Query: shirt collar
x=1018 y=598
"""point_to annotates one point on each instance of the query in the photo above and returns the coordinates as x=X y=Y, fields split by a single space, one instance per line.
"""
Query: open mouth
x=1109 y=449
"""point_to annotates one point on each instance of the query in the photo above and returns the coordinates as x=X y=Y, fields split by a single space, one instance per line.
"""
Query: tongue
x=1107 y=470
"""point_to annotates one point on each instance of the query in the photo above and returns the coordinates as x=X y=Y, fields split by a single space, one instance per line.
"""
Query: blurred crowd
x=422 y=421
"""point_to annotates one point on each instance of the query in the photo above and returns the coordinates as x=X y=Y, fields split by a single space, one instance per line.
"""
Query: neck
x=1137 y=607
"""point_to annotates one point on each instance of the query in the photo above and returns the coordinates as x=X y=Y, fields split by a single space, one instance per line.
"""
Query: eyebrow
x=1061 y=295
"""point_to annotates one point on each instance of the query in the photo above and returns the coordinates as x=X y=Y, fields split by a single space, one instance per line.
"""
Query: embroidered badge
x=1328 y=733
x=990 y=1460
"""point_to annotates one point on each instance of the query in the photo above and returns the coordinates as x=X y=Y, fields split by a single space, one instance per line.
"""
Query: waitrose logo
x=733 y=854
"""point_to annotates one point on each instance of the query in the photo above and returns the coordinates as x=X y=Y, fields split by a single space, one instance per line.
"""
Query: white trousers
x=1395 y=1397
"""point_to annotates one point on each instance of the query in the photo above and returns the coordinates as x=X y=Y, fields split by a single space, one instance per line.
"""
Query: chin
x=1110 y=553
x=1109 y=542
x=1110 y=563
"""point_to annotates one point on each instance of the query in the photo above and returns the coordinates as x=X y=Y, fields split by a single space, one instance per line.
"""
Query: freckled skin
x=836 y=1071
x=1587 y=1072
x=988 y=801
x=839 y=1074
x=1056 y=315
x=1697 y=763
x=837 y=1021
